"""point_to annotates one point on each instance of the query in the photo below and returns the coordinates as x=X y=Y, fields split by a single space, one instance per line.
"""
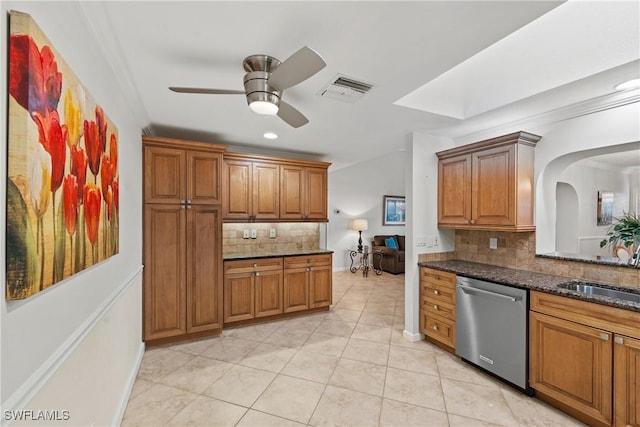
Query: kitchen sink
x=595 y=289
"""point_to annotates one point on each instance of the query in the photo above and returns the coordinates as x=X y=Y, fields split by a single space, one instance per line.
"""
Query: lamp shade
x=360 y=224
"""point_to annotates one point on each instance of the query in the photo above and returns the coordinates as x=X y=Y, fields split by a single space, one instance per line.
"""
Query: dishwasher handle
x=469 y=290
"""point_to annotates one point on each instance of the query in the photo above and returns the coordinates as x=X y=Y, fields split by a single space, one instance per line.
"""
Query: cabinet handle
x=618 y=340
x=435 y=307
x=255 y=265
x=257 y=273
x=310 y=268
x=188 y=206
x=604 y=336
x=437 y=292
x=473 y=221
x=435 y=327
x=182 y=202
x=189 y=201
x=181 y=206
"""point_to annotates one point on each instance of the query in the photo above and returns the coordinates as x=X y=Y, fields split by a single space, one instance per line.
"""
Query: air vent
x=345 y=89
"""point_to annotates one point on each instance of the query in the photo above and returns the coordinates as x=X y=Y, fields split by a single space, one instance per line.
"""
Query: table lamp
x=360 y=225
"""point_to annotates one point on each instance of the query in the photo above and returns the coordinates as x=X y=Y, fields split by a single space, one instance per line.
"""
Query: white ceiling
x=465 y=66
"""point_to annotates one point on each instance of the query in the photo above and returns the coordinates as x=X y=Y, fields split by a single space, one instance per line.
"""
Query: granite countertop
x=275 y=254
x=530 y=280
x=590 y=259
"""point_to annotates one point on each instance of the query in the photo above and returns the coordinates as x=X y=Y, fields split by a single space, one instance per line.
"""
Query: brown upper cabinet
x=182 y=172
x=488 y=185
x=251 y=190
x=258 y=188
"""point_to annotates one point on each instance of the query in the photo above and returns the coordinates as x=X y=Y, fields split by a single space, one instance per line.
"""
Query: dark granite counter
x=275 y=254
x=530 y=280
x=589 y=259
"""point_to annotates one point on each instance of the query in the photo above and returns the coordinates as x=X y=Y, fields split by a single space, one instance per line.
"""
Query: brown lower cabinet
x=585 y=359
x=438 y=307
x=268 y=287
x=182 y=271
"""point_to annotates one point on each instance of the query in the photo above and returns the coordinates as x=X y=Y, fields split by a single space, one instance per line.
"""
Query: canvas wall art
x=62 y=183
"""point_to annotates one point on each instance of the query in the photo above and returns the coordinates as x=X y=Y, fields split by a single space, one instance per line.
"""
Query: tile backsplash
x=289 y=237
x=518 y=250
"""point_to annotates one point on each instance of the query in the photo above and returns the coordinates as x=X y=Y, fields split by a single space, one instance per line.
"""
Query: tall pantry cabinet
x=182 y=239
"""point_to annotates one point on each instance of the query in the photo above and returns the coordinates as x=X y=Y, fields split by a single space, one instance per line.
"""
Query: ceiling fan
x=266 y=80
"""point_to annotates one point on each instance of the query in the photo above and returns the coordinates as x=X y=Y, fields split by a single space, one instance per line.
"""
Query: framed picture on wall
x=605 y=207
x=394 y=210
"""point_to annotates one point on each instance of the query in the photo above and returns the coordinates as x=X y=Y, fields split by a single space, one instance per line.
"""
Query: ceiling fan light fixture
x=264 y=108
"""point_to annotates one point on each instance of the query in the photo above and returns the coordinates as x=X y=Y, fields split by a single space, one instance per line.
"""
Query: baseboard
x=122 y=407
x=40 y=376
x=412 y=337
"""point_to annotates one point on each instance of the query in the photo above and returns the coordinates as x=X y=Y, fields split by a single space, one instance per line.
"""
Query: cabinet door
x=164 y=175
x=164 y=272
x=204 y=176
x=239 y=297
x=454 y=190
x=572 y=364
x=266 y=191
x=296 y=289
x=204 y=272
x=320 y=286
x=236 y=192
x=626 y=393
x=268 y=289
x=315 y=194
x=493 y=186
x=291 y=192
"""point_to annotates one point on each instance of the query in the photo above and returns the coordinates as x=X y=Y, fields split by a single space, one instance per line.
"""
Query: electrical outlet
x=272 y=233
x=254 y=234
x=245 y=234
x=493 y=243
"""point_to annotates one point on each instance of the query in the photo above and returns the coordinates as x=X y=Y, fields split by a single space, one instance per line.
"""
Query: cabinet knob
x=188 y=206
x=257 y=273
x=255 y=265
x=189 y=201
x=435 y=327
x=181 y=206
x=437 y=292
x=618 y=340
x=182 y=202
x=473 y=221
x=435 y=307
x=310 y=268
x=604 y=336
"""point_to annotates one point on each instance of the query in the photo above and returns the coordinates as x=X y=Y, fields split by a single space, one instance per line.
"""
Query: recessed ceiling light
x=270 y=135
x=629 y=84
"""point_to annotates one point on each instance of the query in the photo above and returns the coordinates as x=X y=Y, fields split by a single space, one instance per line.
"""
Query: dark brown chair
x=392 y=259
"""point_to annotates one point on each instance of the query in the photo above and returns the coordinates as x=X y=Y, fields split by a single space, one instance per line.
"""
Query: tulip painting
x=59 y=221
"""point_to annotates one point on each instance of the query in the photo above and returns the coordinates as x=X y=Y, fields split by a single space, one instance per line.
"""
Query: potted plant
x=623 y=233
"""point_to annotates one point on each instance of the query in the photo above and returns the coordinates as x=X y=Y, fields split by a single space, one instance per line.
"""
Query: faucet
x=635 y=258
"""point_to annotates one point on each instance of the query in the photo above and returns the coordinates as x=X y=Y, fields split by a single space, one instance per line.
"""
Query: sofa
x=392 y=259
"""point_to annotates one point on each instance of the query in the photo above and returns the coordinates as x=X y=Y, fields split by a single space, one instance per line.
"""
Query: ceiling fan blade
x=293 y=117
x=297 y=68
x=206 y=91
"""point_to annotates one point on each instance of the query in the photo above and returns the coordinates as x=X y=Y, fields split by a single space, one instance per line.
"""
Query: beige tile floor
x=350 y=366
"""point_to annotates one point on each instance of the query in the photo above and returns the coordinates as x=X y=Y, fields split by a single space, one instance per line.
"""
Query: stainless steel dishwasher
x=492 y=329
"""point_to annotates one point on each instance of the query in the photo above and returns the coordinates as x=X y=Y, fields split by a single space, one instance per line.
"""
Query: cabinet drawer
x=437 y=277
x=439 y=329
x=438 y=308
x=307 y=261
x=249 y=265
x=436 y=294
x=601 y=316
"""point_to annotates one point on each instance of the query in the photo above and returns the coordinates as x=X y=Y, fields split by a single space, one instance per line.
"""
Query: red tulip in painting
x=58 y=221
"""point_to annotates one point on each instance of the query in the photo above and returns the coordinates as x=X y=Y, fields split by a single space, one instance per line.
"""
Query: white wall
x=54 y=329
x=357 y=192
x=587 y=181
x=422 y=217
